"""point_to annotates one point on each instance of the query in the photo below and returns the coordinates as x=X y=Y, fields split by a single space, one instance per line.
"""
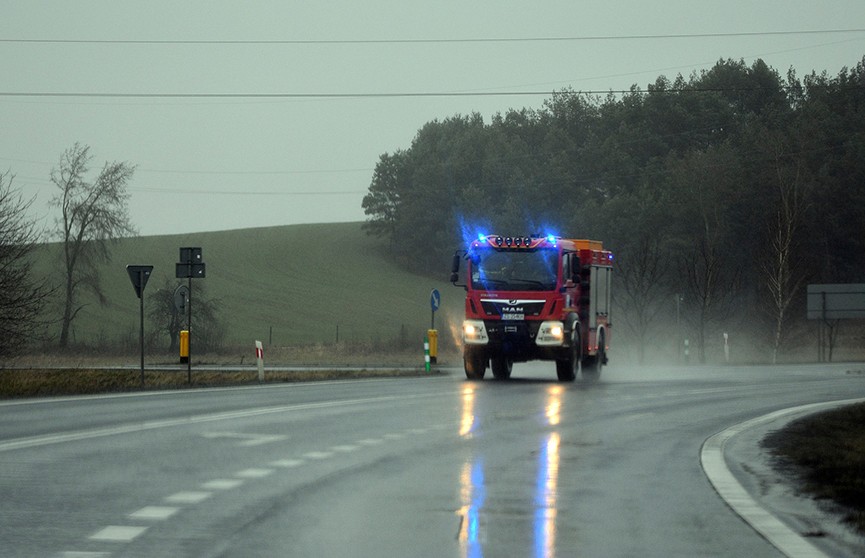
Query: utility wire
x=432 y=41
x=47 y=94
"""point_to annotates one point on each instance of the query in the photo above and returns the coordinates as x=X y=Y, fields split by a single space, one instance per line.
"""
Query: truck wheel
x=568 y=368
x=502 y=367
x=593 y=365
x=475 y=363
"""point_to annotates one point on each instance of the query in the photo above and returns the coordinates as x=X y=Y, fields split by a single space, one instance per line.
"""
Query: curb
x=770 y=527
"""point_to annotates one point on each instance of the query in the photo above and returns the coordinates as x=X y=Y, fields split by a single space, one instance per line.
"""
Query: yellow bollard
x=184 y=346
x=433 y=336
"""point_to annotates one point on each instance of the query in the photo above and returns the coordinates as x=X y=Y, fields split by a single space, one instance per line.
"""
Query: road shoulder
x=742 y=473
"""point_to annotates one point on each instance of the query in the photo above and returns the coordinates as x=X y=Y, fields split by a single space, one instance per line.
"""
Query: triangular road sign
x=139 y=274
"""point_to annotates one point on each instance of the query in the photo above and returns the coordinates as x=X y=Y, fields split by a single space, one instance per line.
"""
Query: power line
x=432 y=40
x=266 y=95
x=246 y=192
x=50 y=94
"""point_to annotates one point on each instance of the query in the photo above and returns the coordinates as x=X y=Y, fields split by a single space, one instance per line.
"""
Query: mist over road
x=401 y=467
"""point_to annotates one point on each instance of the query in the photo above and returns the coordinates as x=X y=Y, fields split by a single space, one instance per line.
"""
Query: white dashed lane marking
x=156 y=513
x=127 y=533
x=287 y=463
x=118 y=533
x=221 y=484
x=254 y=473
x=245 y=439
x=345 y=448
x=318 y=455
x=191 y=497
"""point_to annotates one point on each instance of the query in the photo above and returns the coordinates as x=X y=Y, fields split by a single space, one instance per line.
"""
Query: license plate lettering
x=513 y=316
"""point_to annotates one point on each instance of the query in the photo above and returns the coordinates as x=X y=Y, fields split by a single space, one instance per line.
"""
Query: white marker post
x=259 y=357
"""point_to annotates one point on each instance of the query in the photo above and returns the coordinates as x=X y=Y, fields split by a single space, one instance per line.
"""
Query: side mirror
x=455 y=268
x=455 y=264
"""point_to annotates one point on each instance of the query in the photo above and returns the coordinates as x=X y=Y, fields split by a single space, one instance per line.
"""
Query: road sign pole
x=139 y=274
x=189 y=266
x=141 y=281
x=189 y=337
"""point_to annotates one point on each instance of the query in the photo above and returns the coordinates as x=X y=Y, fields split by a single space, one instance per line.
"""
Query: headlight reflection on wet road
x=473 y=486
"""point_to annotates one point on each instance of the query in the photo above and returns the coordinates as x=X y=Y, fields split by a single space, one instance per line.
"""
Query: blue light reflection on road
x=547 y=481
x=473 y=492
x=546 y=498
x=473 y=483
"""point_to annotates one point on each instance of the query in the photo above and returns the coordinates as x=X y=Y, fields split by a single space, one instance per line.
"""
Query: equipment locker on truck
x=535 y=298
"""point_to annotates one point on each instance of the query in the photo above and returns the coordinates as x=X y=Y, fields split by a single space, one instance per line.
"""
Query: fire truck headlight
x=551 y=334
x=475 y=333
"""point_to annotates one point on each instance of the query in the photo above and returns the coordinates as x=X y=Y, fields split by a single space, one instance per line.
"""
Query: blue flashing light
x=482 y=237
x=551 y=239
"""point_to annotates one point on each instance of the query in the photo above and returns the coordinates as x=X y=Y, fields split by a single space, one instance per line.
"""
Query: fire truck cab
x=535 y=298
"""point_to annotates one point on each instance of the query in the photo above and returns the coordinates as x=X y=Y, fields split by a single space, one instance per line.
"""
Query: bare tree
x=206 y=324
x=21 y=296
x=782 y=277
x=92 y=214
x=164 y=315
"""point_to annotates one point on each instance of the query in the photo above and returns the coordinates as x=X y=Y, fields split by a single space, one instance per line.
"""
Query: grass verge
x=826 y=453
x=17 y=383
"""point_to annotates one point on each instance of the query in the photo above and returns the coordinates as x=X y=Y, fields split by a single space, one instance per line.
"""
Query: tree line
x=722 y=194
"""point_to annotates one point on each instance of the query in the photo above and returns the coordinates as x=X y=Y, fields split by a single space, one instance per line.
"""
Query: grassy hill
x=305 y=283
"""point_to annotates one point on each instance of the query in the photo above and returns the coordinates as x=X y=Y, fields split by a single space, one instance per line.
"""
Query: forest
x=722 y=194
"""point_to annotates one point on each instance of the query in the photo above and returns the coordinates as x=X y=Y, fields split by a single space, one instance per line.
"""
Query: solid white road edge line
x=44 y=440
x=781 y=536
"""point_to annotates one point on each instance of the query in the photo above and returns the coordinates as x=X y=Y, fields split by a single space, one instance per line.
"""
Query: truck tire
x=502 y=367
x=475 y=363
x=568 y=368
x=594 y=364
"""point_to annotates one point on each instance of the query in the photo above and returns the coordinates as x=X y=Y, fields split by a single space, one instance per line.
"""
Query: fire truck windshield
x=514 y=270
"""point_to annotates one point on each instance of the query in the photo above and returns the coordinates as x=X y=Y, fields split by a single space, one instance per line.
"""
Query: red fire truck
x=535 y=297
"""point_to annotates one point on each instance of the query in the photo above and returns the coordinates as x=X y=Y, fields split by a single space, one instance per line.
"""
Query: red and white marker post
x=259 y=357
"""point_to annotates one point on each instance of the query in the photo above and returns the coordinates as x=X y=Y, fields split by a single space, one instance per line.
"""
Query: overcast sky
x=209 y=162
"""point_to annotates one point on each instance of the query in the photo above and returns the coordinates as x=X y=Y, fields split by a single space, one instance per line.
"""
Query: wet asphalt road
x=406 y=467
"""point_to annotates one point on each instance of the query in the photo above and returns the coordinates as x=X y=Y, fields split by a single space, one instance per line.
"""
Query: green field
x=292 y=285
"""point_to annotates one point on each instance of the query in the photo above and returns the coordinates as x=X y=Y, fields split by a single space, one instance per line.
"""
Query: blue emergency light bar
x=517 y=241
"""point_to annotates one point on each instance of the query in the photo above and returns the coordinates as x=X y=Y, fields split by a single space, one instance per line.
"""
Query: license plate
x=513 y=316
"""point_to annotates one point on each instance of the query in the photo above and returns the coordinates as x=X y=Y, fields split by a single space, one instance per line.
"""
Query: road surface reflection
x=473 y=483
